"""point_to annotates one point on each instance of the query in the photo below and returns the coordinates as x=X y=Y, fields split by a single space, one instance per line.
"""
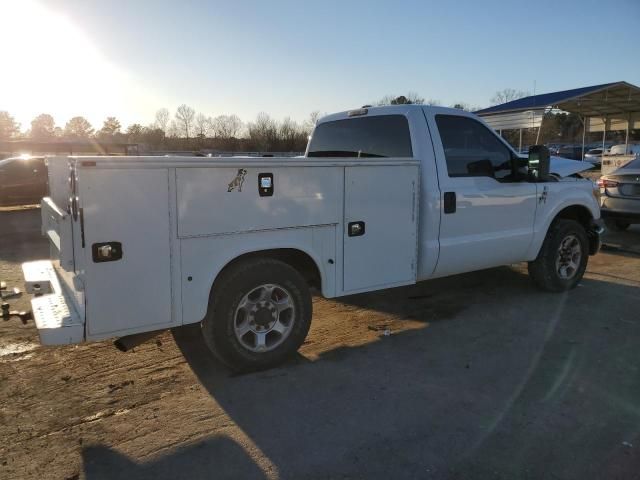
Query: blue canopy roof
x=545 y=100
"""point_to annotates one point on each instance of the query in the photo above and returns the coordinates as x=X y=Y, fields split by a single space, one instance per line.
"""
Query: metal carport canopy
x=602 y=107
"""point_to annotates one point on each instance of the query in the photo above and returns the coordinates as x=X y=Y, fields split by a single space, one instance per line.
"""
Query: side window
x=472 y=150
x=375 y=136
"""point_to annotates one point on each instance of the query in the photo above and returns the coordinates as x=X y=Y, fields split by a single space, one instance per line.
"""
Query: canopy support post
x=539 y=128
x=626 y=140
x=584 y=133
x=520 y=145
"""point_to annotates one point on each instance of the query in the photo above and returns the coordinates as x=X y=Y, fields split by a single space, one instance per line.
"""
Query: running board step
x=53 y=311
x=57 y=323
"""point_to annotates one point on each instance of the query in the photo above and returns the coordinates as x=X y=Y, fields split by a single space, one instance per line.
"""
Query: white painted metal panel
x=204 y=257
x=226 y=200
x=492 y=224
x=385 y=199
x=59 y=172
x=133 y=293
x=56 y=225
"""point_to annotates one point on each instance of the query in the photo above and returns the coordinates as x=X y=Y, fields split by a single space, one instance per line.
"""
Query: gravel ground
x=480 y=376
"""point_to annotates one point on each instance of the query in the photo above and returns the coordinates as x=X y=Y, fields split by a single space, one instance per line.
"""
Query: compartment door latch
x=106 y=251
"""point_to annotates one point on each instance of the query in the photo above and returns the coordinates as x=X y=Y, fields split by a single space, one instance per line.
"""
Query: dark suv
x=23 y=180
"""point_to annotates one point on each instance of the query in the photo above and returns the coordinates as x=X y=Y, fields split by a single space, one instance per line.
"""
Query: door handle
x=355 y=229
x=449 y=203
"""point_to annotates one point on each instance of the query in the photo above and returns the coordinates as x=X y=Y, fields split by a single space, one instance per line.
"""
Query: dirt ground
x=480 y=377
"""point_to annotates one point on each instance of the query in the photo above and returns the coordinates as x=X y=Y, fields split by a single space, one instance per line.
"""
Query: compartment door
x=380 y=227
x=128 y=209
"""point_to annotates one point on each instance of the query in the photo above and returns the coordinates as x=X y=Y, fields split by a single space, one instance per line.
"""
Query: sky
x=128 y=58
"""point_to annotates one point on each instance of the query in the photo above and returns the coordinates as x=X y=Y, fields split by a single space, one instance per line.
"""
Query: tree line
x=187 y=129
x=184 y=130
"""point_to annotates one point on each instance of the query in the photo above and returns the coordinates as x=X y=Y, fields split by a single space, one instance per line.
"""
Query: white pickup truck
x=384 y=197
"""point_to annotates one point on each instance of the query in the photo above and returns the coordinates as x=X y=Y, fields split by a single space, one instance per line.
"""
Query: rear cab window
x=362 y=137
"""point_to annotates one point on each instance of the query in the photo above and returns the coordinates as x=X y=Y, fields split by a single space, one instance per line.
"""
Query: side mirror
x=538 y=163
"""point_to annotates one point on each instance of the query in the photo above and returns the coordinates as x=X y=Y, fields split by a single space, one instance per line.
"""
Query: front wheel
x=259 y=314
x=563 y=257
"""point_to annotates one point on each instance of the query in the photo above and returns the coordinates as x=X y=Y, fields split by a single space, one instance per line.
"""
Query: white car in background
x=623 y=149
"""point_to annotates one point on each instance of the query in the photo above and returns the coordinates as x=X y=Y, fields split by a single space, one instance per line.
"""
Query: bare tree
x=184 y=118
x=172 y=130
x=508 y=95
x=432 y=102
x=226 y=126
x=310 y=123
x=263 y=133
x=162 y=119
x=202 y=125
x=43 y=127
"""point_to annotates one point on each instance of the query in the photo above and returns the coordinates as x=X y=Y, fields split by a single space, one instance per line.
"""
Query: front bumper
x=594 y=232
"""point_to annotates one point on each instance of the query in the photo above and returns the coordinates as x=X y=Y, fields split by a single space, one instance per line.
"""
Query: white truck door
x=487 y=216
x=380 y=222
x=128 y=209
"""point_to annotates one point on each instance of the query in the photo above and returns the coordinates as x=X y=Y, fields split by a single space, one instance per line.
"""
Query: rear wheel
x=563 y=257
x=259 y=314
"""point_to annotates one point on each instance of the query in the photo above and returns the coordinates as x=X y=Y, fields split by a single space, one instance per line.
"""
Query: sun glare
x=51 y=66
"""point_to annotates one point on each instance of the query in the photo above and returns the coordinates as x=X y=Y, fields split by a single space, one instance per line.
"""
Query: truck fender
x=577 y=205
x=196 y=295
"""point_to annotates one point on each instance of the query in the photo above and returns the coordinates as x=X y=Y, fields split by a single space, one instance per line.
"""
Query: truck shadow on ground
x=512 y=385
x=212 y=458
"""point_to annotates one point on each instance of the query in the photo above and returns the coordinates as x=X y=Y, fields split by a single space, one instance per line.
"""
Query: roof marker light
x=358 y=112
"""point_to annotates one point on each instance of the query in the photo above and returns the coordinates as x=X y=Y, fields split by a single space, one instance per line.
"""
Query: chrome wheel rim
x=568 y=257
x=264 y=318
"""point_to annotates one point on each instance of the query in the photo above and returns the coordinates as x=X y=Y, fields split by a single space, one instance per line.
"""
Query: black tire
x=543 y=269
x=232 y=286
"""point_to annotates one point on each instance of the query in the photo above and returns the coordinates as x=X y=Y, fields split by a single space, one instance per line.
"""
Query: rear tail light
x=604 y=183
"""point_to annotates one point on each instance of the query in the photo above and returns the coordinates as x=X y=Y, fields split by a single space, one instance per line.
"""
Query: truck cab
x=384 y=197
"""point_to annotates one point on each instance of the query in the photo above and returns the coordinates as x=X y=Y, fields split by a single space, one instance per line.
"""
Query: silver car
x=620 y=196
x=594 y=156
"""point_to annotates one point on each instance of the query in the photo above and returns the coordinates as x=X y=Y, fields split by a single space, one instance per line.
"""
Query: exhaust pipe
x=126 y=343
